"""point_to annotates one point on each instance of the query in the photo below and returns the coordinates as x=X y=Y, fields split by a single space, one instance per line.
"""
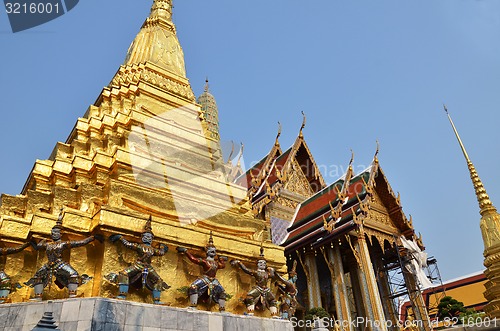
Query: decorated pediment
x=297 y=181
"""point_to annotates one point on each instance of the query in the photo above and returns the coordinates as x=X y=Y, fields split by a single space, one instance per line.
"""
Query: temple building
x=351 y=237
x=148 y=149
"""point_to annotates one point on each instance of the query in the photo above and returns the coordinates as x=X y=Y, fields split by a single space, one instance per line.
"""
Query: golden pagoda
x=490 y=230
x=143 y=148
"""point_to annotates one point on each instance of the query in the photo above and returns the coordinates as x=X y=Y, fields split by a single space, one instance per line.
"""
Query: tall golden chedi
x=144 y=148
x=490 y=229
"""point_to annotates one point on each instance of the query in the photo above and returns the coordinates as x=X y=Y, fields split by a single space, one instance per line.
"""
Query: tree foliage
x=449 y=308
x=318 y=312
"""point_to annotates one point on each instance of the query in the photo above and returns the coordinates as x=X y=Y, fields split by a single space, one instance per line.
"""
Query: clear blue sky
x=360 y=70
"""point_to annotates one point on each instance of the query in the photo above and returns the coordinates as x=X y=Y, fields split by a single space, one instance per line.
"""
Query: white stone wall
x=101 y=314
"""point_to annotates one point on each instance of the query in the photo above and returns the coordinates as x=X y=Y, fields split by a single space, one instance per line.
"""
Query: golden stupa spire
x=485 y=203
x=490 y=231
x=162 y=11
x=157 y=41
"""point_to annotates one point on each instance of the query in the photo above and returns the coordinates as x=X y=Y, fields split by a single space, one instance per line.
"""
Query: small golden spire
x=232 y=152
x=278 y=135
x=303 y=124
x=375 y=157
x=157 y=41
x=161 y=9
x=485 y=204
x=348 y=176
x=241 y=154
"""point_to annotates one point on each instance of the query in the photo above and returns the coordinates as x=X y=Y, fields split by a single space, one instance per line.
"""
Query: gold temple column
x=339 y=287
x=369 y=288
x=357 y=308
x=313 y=290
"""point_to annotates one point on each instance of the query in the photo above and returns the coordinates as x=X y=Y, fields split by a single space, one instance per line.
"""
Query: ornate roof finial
x=232 y=152
x=485 y=203
x=375 y=157
x=303 y=124
x=279 y=134
x=241 y=154
x=347 y=180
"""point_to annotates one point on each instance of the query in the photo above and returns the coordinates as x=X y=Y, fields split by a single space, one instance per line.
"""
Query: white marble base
x=102 y=314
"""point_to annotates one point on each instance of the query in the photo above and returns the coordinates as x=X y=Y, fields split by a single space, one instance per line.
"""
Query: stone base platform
x=102 y=314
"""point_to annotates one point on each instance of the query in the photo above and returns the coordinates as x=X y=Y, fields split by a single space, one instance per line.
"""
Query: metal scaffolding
x=404 y=288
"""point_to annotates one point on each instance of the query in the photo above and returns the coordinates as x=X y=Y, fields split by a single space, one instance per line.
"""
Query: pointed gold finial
x=241 y=153
x=348 y=175
x=161 y=10
x=232 y=152
x=157 y=41
x=343 y=193
x=278 y=135
x=485 y=203
x=303 y=124
x=456 y=134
